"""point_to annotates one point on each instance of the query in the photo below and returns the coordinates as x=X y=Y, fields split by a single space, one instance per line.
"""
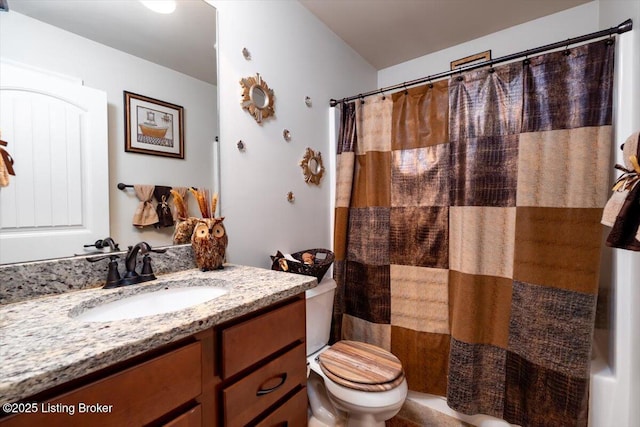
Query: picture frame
x=471 y=59
x=153 y=127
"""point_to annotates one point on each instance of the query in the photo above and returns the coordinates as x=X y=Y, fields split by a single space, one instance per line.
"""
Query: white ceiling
x=383 y=32
x=388 y=32
x=183 y=41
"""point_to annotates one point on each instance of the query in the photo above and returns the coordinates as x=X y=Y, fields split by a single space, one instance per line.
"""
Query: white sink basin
x=164 y=300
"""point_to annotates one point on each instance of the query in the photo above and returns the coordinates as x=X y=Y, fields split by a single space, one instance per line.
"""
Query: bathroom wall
x=615 y=387
x=550 y=29
x=32 y=42
x=297 y=56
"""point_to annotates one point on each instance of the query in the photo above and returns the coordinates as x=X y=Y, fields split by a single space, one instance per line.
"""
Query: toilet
x=349 y=383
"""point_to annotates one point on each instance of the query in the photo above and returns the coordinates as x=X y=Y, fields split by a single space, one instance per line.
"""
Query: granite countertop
x=44 y=346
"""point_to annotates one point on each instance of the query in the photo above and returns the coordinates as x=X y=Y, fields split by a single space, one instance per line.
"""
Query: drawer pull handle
x=262 y=392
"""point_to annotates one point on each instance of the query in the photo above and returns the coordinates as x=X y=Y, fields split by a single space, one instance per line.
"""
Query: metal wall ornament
x=257 y=98
x=312 y=167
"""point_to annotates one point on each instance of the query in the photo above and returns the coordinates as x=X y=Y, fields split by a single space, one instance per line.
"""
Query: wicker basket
x=318 y=268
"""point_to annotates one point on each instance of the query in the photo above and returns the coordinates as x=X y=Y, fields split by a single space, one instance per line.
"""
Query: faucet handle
x=103 y=243
x=147 y=271
x=100 y=258
x=113 y=275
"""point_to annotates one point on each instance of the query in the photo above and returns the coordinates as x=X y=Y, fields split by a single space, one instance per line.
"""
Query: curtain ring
x=430 y=83
x=566 y=50
x=460 y=78
x=361 y=99
x=406 y=91
x=526 y=61
x=609 y=41
x=383 y=95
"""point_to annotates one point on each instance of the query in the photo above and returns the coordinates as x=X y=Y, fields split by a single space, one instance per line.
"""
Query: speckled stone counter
x=43 y=345
x=27 y=280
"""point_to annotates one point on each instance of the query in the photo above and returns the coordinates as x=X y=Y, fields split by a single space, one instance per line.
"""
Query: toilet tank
x=319 y=313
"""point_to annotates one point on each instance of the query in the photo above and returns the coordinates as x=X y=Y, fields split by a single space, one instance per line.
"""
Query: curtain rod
x=123 y=187
x=622 y=28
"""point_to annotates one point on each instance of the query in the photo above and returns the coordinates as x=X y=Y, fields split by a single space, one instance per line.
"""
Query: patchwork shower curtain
x=467 y=232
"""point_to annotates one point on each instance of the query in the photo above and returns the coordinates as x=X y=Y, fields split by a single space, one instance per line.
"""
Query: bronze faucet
x=131 y=276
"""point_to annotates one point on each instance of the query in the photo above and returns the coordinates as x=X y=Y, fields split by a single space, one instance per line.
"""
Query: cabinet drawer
x=133 y=397
x=253 y=340
x=191 y=418
x=246 y=399
x=292 y=413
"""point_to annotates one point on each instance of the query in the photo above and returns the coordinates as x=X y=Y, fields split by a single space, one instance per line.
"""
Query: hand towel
x=144 y=214
x=162 y=194
x=6 y=165
x=622 y=211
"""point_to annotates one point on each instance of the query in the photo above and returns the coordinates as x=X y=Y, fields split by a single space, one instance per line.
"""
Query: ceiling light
x=160 y=6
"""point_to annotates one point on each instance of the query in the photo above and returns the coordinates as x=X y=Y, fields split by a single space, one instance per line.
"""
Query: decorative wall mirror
x=312 y=167
x=257 y=98
x=35 y=28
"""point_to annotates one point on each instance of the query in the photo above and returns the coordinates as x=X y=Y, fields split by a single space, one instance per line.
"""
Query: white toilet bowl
x=337 y=397
x=335 y=405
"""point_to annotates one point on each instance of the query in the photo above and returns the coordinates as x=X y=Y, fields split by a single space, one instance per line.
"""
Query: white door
x=57 y=134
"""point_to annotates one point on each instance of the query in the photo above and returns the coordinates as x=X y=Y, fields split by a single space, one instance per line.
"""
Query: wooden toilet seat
x=361 y=366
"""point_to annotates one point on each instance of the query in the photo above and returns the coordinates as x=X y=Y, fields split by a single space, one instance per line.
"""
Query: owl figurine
x=184 y=230
x=209 y=243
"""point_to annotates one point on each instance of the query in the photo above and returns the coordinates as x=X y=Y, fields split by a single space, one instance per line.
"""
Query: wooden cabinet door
x=292 y=413
x=252 y=395
x=191 y=418
x=253 y=340
x=133 y=397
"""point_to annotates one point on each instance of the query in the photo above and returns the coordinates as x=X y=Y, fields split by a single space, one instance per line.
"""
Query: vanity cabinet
x=248 y=371
x=158 y=389
x=263 y=365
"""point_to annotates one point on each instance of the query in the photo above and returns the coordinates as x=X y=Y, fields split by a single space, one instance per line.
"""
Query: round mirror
x=312 y=167
x=257 y=98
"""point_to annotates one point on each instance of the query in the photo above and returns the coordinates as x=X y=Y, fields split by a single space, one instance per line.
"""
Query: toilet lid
x=361 y=366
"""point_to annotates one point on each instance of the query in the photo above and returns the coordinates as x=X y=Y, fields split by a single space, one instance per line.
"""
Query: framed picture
x=153 y=126
x=471 y=59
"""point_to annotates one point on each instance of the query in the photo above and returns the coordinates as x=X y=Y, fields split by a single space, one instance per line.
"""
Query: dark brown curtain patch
x=420 y=236
x=367 y=292
x=535 y=396
x=569 y=91
x=476 y=378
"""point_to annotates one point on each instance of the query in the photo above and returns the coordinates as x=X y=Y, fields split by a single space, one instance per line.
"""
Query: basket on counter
x=323 y=258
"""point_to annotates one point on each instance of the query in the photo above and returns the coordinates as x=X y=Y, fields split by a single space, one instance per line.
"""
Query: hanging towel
x=165 y=218
x=6 y=165
x=622 y=211
x=145 y=214
x=625 y=233
x=182 y=191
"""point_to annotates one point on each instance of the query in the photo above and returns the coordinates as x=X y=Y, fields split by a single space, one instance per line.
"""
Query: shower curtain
x=467 y=233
